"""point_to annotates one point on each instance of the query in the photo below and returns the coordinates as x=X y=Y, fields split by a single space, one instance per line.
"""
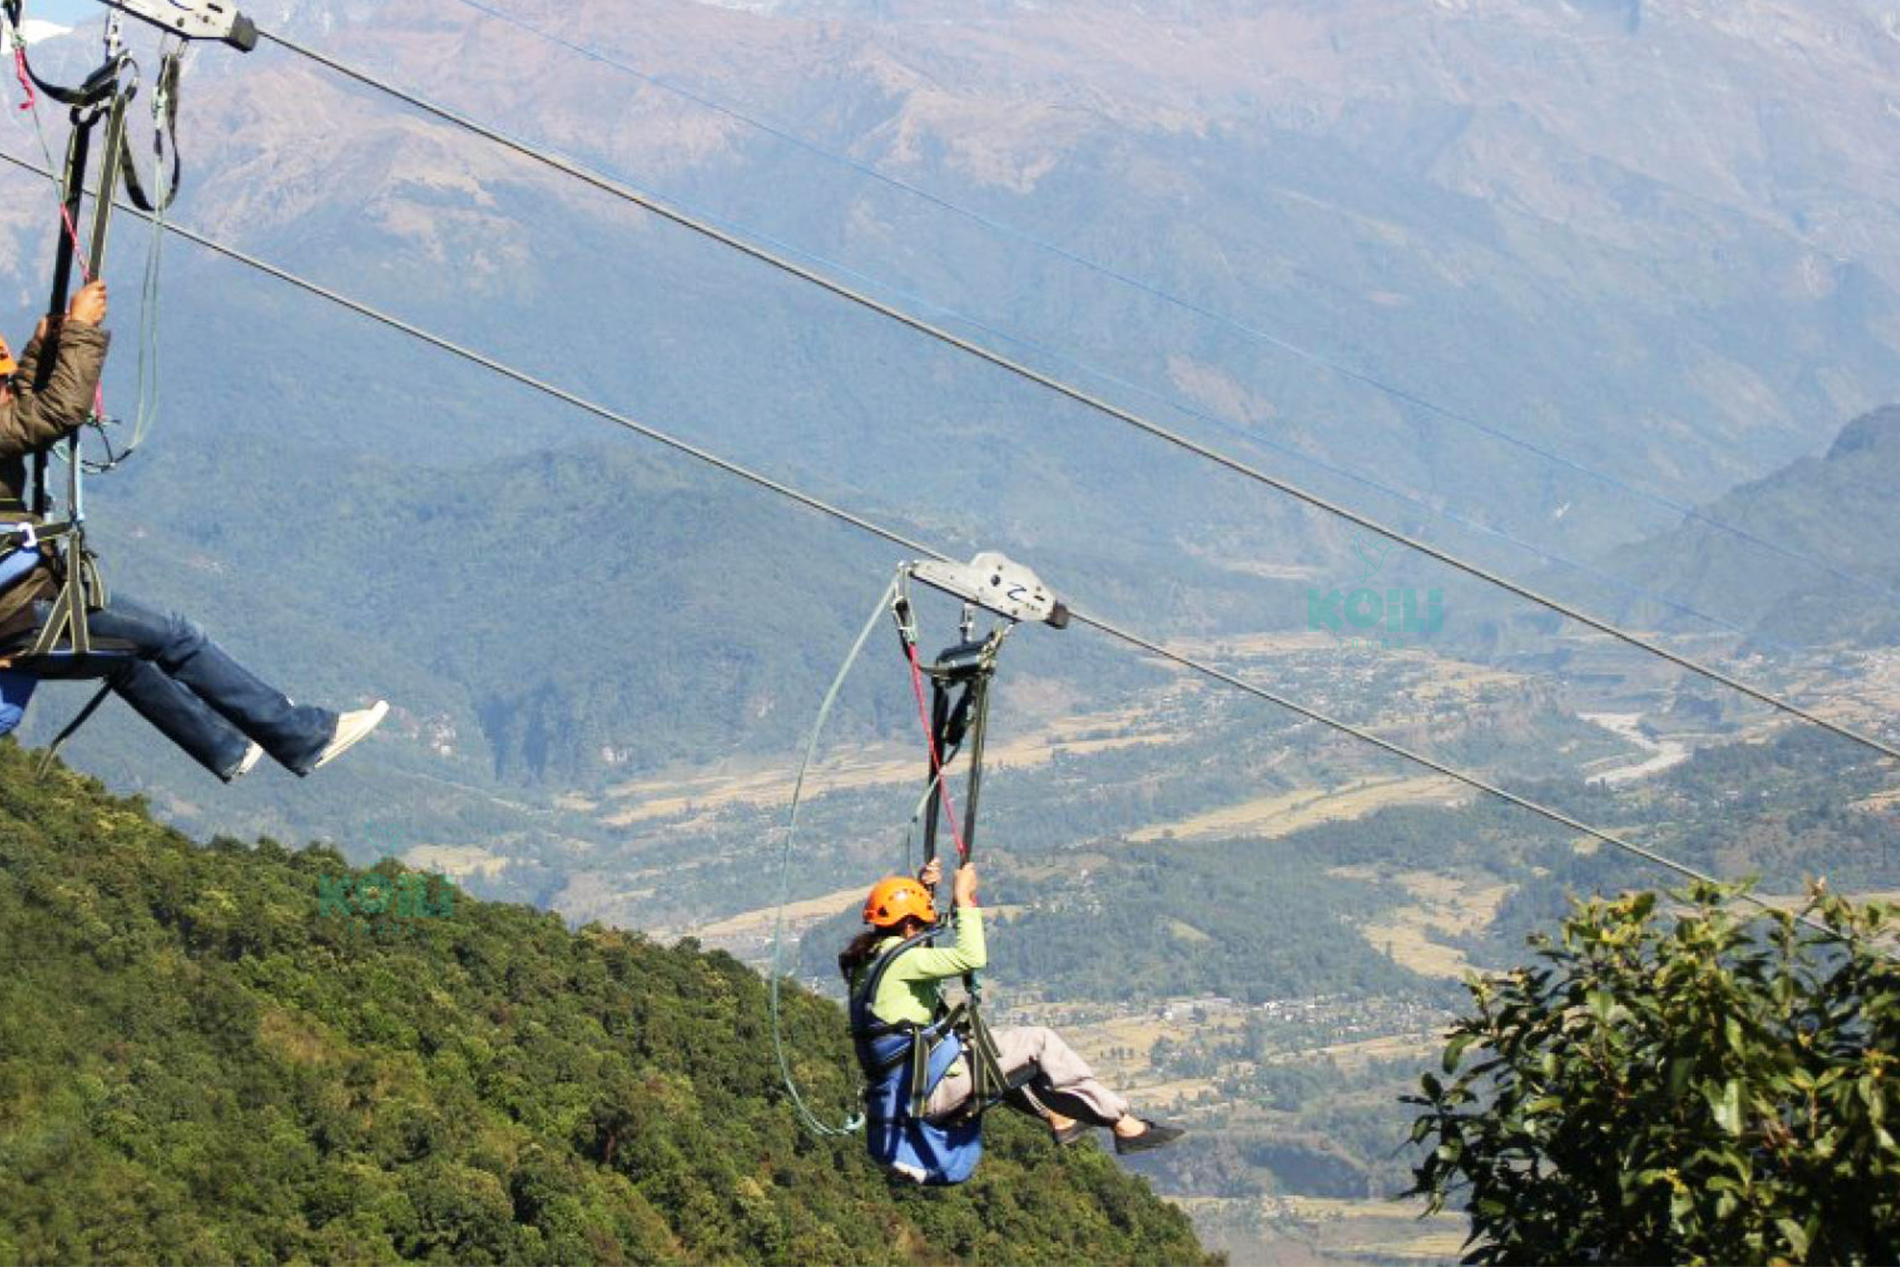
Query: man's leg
x=16 y=691
x=176 y=649
x=178 y=714
x=170 y=707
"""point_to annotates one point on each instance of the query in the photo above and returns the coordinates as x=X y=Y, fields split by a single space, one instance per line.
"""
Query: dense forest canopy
x=235 y=1053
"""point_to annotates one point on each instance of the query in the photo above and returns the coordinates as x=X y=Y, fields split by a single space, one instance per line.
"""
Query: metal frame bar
x=80 y=586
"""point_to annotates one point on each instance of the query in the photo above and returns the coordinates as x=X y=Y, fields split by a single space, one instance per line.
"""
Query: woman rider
x=899 y=908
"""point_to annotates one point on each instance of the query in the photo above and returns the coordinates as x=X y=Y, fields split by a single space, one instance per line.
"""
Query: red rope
x=32 y=103
x=936 y=762
x=26 y=81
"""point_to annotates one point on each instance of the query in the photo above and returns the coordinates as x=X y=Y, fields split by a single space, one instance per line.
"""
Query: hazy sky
x=62 y=11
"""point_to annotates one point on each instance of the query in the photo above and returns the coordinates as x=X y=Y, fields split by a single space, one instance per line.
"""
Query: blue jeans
x=201 y=699
x=16 y=690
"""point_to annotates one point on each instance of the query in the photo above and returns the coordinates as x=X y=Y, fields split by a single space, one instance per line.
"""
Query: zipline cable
x=1004 y=229
x=1252 y=436
x=1243 y=434
x=787 y=491
x=775 y=260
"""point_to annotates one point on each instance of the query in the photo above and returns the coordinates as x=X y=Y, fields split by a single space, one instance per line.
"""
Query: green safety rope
x=810 y=1119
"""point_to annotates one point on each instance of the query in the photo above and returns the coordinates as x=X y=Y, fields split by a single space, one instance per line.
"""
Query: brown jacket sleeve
x=29 y=371
x=42 y=415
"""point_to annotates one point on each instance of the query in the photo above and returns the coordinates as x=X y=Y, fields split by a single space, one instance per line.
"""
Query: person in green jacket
x=899 y=908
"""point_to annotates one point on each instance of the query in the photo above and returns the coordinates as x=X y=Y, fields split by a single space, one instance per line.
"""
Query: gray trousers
x=1064 y=1080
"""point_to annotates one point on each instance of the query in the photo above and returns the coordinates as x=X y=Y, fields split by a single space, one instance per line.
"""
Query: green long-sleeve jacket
x=49 y=402
x=909 y=990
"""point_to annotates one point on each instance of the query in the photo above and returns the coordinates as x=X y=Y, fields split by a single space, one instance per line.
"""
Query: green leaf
x=1726 y=1103
x=1455 y=1050
x=1796 y=1234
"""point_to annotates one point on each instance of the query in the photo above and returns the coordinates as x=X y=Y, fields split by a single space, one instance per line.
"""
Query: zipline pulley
x=204 y=20
x=960 y=676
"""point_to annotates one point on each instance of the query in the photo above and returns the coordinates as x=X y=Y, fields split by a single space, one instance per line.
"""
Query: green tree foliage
x=200 y=1064
x=1678 y=1084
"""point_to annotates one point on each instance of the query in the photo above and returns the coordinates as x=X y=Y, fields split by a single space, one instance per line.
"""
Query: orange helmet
x=895 y=897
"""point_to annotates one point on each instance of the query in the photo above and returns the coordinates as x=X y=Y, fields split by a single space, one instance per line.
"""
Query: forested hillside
x=231 y=1054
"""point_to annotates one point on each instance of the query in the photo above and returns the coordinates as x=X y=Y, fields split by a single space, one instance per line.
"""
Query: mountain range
x=1543 y=224
x=1839 y=508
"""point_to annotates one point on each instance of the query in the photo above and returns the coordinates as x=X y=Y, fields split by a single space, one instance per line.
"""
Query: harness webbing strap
x=164 y=138
x=42 y=533
x=90 y=93
x=989 y=1082
x=920 y=1088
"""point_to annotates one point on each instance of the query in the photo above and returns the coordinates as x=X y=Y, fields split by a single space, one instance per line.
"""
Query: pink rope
x=26 y=81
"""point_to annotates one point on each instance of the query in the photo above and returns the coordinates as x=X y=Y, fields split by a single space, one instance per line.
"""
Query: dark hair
x=861 y=951
x=863 y=948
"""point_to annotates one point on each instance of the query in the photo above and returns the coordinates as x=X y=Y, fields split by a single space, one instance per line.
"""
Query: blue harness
x=903 y=1062
x=16 y=691
x=16 y=564
x=16 y=686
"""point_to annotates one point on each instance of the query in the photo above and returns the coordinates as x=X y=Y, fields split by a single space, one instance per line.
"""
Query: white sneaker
x=351 y=727
x=252 y=755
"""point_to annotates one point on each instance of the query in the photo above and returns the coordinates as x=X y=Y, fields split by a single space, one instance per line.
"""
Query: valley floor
x=1290 y=1081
